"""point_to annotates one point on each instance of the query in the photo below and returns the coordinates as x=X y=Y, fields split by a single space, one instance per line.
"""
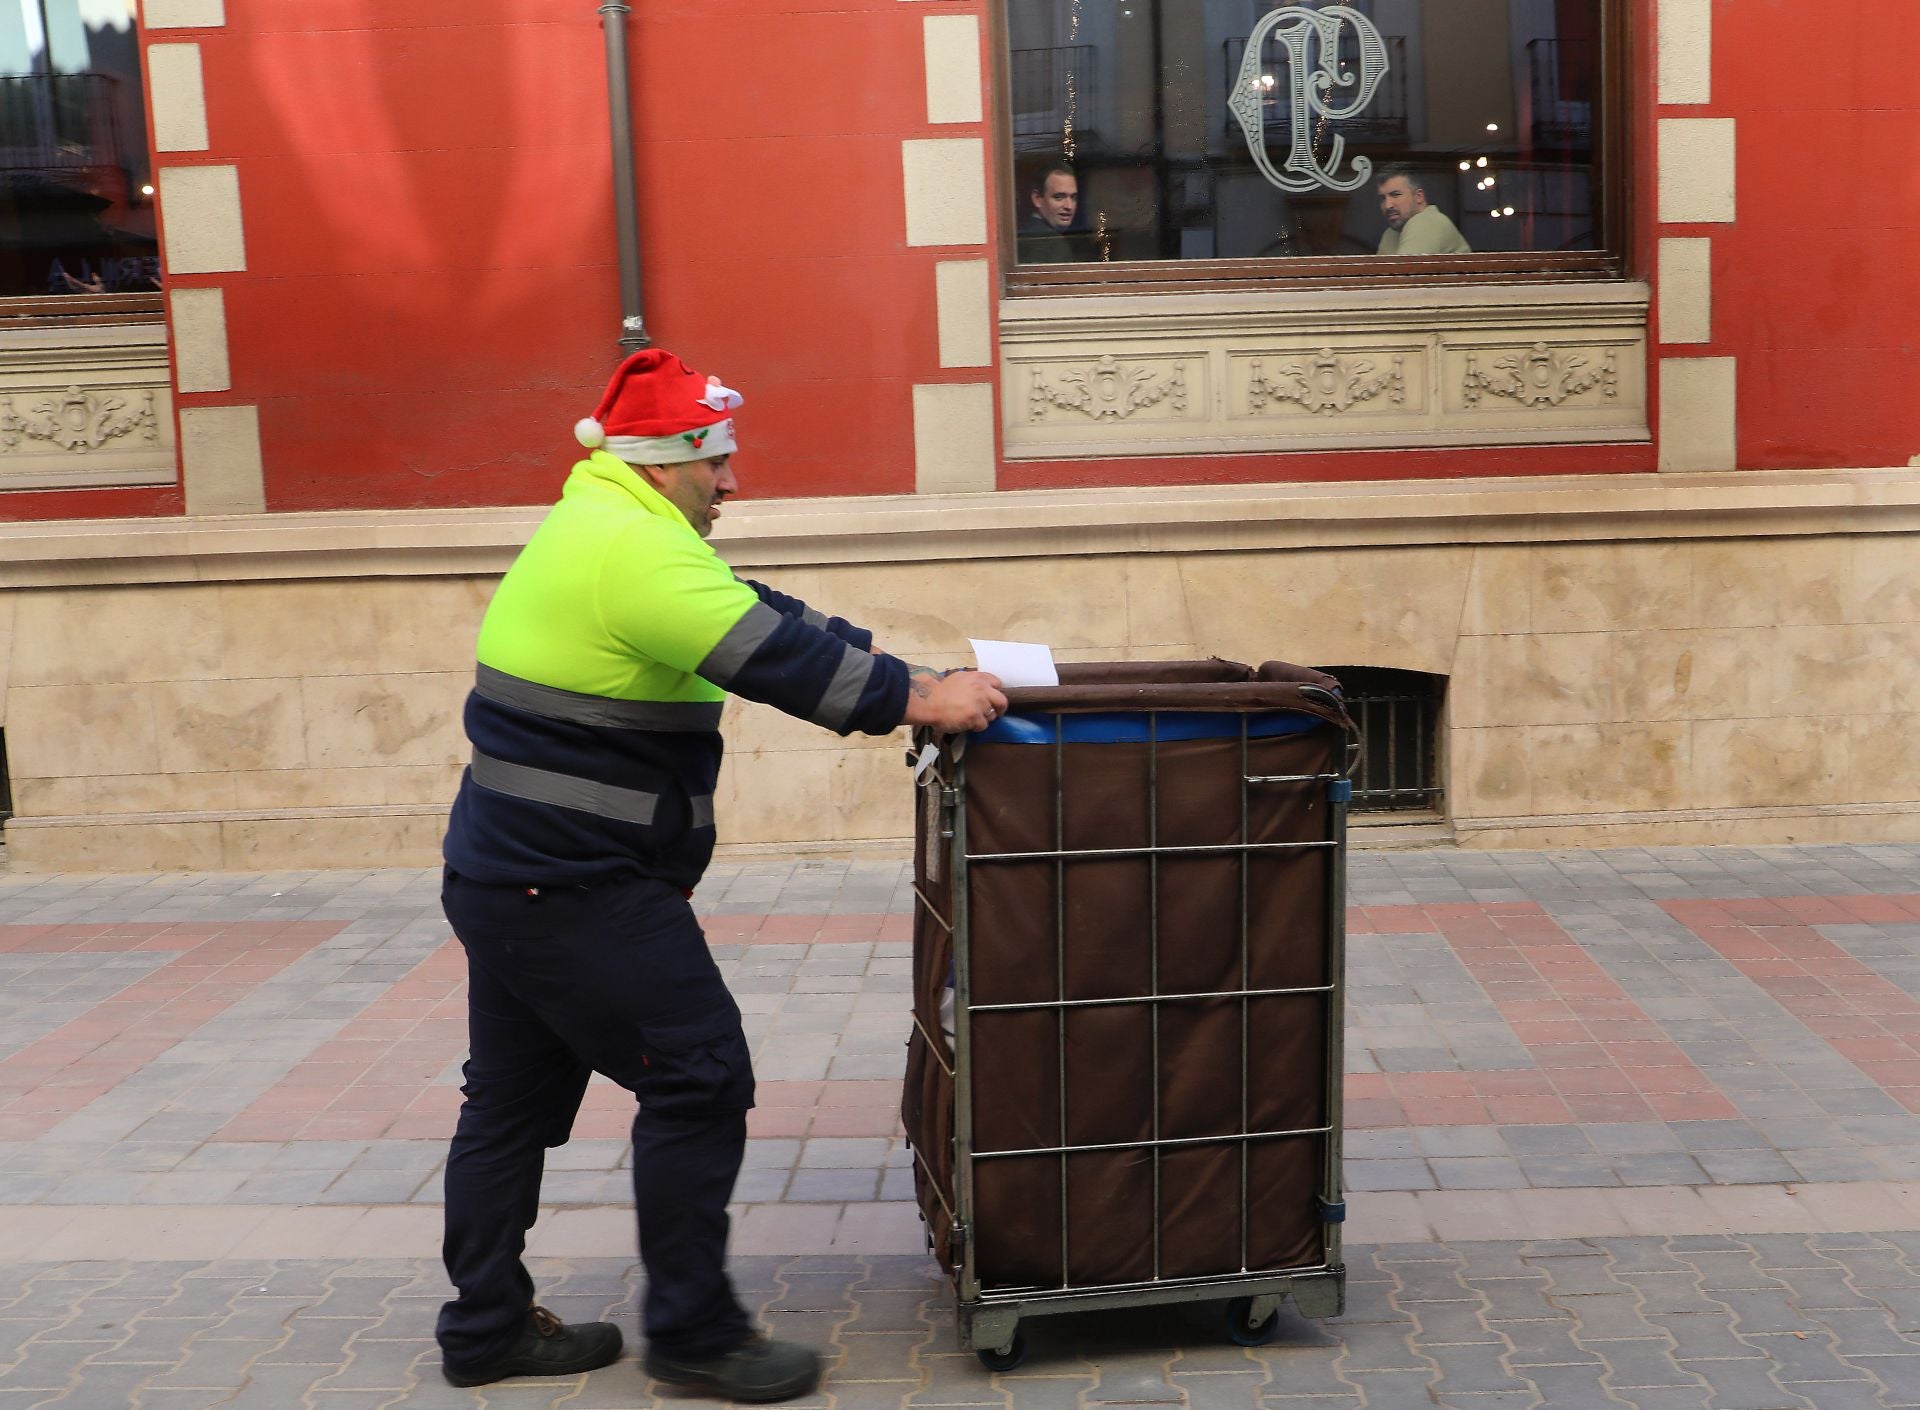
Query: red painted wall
x=432 y=299
x=1816 y=287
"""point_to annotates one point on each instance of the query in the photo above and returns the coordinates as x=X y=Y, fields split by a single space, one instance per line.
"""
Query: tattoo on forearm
x=921 y=680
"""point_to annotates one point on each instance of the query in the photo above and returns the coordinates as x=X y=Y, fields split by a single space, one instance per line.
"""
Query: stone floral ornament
x=1327 y=384
x=78 y=421
x=1105 y=390
x=1541 y=376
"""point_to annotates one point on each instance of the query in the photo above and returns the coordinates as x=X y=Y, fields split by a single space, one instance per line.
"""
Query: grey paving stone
x=1632 y=1138
x=1702 y=1333
x=1568 y=1171
x=1388 y=1175
x=1532 y=1141
x=1659 y=1168
x=1746 y=1385
x=1478 y=1173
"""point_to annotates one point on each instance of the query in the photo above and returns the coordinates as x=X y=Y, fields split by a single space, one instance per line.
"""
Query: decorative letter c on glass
x=1312 y=41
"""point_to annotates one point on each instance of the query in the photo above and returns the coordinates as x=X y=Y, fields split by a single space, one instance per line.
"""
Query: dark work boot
x=759 y=1370
x=546 y=1347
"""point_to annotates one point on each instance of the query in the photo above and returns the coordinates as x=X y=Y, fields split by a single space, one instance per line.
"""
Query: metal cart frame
x=989 y=1319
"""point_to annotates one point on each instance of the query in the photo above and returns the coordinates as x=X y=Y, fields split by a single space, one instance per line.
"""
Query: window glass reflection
x=76 y=200
x=1234 y=129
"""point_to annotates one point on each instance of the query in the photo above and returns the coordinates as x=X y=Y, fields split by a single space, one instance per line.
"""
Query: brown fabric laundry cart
x=1123 y=1081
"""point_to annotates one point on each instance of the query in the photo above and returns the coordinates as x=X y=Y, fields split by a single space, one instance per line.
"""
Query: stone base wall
x=1631 y=660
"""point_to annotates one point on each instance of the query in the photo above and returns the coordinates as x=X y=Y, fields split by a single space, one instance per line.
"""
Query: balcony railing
x=1053 y=97
x=59 y=121
x=1383 y=120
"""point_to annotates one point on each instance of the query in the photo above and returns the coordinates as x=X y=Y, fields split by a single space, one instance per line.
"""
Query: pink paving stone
x=1813 y=910
x=1664 y=1053
x=1670 y=1081
x=367 y=1097
x=1519 y=1082
x=788 y=928
x=1591 y=1081
x=1586 y=988
x=779 y=1121
x=598 y=1126
x=1373 y=1112
x=856 y=1092
x=1875 y=910
x=854 y=1121
x=1361 y=1085
x=1876 y=1049
x=1558 y=1056
x=1448 y=1111
x=1527 y=1111
x=1898 y=1073
x=1545 y=1010
x=1692 y=1106
x=1422 y=1086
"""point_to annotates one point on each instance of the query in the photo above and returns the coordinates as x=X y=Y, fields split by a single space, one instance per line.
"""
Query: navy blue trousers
x=563 y=983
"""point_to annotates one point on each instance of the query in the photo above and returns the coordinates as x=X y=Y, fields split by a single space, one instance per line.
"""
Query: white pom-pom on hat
x=720 y=397
x=589 y=433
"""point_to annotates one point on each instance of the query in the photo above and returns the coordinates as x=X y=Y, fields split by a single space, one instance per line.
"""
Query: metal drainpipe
x=626 y=204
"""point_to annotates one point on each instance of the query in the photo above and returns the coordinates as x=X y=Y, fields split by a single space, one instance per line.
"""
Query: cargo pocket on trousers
x=696 y=1069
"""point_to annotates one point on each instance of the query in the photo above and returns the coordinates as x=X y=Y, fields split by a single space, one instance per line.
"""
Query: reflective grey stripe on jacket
x=814 y=617
x=581 y=794
x=553 y=703
x=734 y=649
x=844 y=690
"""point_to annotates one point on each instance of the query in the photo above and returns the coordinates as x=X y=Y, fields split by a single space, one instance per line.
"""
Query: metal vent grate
x=1399 y=717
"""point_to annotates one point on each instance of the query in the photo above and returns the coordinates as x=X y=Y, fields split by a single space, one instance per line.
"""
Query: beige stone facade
x=1637 y=659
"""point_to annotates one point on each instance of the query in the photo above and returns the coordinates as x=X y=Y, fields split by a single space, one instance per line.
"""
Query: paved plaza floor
x=1631 y=1128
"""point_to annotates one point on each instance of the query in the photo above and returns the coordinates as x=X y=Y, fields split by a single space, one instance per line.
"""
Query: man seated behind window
x=1413 y=226
x=1053 y=200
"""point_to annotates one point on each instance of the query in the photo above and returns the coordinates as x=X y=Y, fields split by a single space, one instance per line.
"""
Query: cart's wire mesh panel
x=1124 y=1070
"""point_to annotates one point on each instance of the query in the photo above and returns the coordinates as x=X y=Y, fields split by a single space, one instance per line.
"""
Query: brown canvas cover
x=1106 y=1199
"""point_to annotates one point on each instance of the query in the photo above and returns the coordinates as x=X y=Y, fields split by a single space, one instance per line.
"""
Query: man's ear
x=655 y=475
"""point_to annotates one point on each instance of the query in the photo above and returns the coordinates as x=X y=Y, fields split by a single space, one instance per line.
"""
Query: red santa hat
x=659 y=411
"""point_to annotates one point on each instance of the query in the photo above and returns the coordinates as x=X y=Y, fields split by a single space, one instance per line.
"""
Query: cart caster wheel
x=1006 y=1358
x=1241 y=1331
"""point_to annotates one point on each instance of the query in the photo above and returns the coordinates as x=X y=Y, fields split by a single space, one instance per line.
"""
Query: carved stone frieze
x=1105 y=390
x=1541 y=376
x=77 y=421
x=1231 y=372
x=1326 y=383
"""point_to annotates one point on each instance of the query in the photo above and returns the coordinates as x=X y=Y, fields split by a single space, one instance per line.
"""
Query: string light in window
x=1466 y=166
x=1482 y=161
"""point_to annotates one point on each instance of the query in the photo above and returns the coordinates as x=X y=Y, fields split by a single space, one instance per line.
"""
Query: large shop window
x=76 y=194
x=1157 y=141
